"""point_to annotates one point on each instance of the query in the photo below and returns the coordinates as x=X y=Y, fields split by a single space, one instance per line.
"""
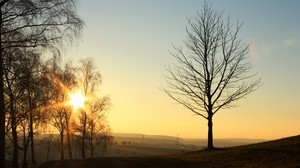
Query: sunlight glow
x=77 y=100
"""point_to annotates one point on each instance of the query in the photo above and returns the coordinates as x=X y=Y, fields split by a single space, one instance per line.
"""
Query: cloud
x=266 y=49
x=258 y=50
x=289 y=42
x=253 y=51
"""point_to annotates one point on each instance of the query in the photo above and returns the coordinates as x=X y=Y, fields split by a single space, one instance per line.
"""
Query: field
x=278 y=153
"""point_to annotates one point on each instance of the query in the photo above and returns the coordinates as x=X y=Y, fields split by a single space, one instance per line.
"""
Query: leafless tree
x=97 y=124
x=91 y=117
x=16 y=72
x=34 y=96
x=35 y=24
x=12 y=95
x=212 y=72
x=25 y=93
x=60 y=113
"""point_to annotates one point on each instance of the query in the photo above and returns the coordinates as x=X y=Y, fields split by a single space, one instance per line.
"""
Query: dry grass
x=279 y=153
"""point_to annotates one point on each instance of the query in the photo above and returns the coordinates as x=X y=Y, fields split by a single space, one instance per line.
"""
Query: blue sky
x=131 y=42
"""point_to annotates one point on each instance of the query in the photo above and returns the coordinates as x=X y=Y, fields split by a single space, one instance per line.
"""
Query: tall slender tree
x=34 y=96
x=91 y=117
x=14 y=75
x=24 y=90
x=212 y=72
x=60 y=115
x=2 y=105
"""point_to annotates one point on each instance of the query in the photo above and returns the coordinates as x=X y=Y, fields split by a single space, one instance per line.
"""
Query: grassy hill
x=174 y=142
x=278 y=153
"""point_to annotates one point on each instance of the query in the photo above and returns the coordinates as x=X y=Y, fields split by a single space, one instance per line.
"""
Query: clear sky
x=131 y=42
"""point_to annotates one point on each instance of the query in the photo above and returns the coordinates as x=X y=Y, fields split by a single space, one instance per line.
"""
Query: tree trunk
x=25 y=144
x=48 y=148
x=31 y=137
x=91 y=140
x=62 y=150
x=83 y=146
x=25 y=158
x=15 y=163
x=2 y=111
x=83 y=136
x=69 y=141
x=91 y=146
x=210 y=133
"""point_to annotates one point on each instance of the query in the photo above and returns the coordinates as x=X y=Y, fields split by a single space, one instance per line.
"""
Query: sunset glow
x=77 y=100
x=131 y=42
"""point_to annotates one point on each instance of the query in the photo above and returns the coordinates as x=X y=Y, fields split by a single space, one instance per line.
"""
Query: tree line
x=36 y=97
x=34 y=84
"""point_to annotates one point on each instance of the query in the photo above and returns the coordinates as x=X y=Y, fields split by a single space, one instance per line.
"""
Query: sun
x=77 y=100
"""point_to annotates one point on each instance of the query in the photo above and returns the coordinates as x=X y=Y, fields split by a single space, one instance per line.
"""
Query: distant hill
x=143 y=145
x=284 y=152
x=174 y=142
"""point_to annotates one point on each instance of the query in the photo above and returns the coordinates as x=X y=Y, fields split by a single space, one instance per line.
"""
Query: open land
x=277 y=153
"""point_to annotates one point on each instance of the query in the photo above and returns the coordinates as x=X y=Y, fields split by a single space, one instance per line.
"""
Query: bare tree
x=34 y=96
x=38 y=24
x=59 y=121
x=97 y=125
x=89 y=79
x=25 y=95
x=91 y=117
x=14 y=92
x=213 y=71
x=63 y=80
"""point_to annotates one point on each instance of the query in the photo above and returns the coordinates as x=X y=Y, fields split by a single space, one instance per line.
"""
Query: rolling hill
x=278 y=153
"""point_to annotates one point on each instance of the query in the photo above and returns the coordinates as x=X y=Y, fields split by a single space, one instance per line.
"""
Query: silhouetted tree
x=25 y=94
x=33 y=99
x=13 y=94
x=212 y=72
x=35 y=24
x=92 y=116
x=98 y=130
x=60 y=112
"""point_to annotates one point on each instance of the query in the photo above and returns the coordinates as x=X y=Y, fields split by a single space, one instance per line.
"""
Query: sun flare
x=77 y=100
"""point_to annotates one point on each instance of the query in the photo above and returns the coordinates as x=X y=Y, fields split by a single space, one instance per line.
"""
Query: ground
x=279 y=153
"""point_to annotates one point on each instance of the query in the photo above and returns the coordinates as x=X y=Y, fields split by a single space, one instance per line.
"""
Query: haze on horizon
x=131 y=43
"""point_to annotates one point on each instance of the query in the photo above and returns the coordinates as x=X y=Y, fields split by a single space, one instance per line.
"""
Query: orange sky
x=131 y=43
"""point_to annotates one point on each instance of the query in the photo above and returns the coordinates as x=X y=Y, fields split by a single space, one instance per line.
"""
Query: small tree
x=92 y=117
x=97 y=126
x=213 y=72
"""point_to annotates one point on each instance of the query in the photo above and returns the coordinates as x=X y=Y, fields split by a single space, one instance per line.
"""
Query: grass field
x=278 y=153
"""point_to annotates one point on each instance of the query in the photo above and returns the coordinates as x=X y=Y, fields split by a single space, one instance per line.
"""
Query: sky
x=131 y=42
